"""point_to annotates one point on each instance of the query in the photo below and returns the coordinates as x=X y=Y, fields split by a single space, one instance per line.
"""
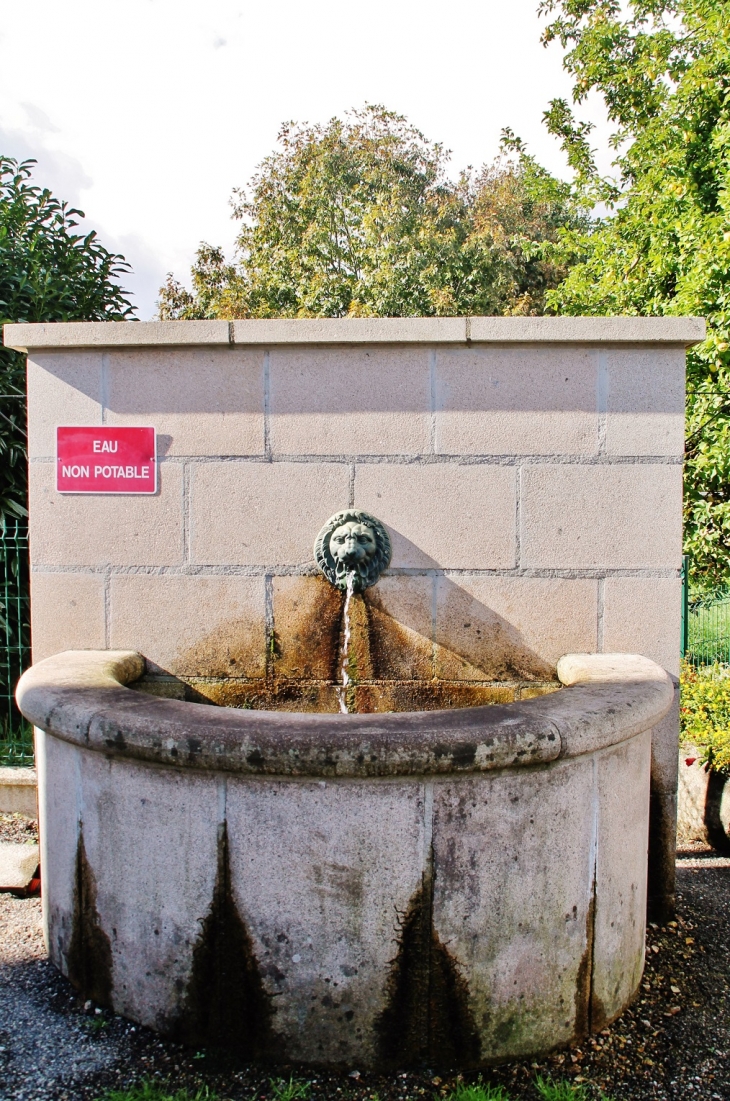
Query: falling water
x=342 y=692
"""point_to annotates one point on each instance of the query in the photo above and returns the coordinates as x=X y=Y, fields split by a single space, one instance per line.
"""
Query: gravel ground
x=673 y=1044
x=16 y=827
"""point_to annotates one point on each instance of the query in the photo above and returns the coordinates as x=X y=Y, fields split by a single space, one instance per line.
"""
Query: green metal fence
x=705 y=626
x=16 y=736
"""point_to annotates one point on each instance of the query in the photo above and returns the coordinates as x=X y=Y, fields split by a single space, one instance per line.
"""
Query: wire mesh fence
x=16 y=736
x=705 y=626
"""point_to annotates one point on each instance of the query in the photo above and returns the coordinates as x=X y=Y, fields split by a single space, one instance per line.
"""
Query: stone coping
x=359 y=330
x=79 y=697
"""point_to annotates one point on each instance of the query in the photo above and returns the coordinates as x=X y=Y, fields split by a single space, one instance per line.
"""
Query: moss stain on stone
x=427 y=1018
x=225 y=1004
x=89 y=956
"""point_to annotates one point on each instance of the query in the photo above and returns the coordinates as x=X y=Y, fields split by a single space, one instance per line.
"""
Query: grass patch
x=478 y=1091
x=281 y=1090
x=158 y=1091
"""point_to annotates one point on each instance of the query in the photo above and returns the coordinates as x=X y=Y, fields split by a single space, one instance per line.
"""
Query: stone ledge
x=18 y=791
x=79 y=697
x=683 y=331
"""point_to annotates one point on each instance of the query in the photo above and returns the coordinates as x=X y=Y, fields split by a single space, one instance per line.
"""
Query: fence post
x=684 y=640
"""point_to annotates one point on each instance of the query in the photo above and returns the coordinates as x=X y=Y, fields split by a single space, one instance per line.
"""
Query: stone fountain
x=388 y=806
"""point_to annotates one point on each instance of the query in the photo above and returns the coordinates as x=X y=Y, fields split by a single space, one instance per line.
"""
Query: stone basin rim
x=81 y=697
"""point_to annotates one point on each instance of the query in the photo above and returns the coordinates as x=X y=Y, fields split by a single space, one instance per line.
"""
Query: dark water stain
x=225 y=1004
x=584 y=1006
x=662 y=855
x=427 y=1018
x=89 y=956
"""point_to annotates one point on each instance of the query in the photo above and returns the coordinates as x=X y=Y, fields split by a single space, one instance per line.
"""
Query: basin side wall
x=532 y=492
x=383 y=922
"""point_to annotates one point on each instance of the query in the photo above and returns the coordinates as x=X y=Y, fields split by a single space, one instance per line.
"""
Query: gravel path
x=672 y=1045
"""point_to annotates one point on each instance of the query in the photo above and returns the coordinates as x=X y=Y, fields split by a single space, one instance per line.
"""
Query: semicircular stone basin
x=442 y=888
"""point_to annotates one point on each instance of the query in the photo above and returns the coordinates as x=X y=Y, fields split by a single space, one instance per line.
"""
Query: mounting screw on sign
x=106 y=460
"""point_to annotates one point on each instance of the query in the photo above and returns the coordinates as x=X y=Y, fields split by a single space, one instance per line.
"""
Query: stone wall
x=528 y=470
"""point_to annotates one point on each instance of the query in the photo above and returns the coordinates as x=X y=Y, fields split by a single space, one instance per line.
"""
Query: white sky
x=147 y=113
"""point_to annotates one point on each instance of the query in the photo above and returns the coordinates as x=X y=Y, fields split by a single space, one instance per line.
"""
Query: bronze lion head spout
x=352 y=543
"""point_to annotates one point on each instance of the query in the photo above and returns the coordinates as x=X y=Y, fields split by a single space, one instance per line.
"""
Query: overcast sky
x=147 y=113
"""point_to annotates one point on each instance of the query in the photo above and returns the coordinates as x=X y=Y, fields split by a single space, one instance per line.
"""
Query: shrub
x=705 y=712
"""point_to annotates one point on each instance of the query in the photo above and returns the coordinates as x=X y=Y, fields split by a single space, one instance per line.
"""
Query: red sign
x=106 y=460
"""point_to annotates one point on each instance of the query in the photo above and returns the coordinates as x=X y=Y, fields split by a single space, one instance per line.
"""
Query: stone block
x=443 y=514
x=664 y=742
x=93 y=530
x=63 y=388
x=642 y=615
x=201 y=401
x=59 y=811
x=400 y=612
x=588 y=330
x=620 y=906
x=367 y=403
x=350 y=330
x=322 y=875
x=496 y=628
x=18 y=791
x=645 y=408
x=18 y=862
x=307 y=620
x=111 y=334
x=67 y=613
x=151 y=921
x=262 y=513
x=703 y=802
x=516 y=401
x=605 y=516
x=191 y=626
x=508 y=913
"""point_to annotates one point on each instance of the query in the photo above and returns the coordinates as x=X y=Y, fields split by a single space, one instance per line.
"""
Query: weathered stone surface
x=644 y=401
x=703 y=802
x=151 y=909
x=344 y=330
x=18 y=791
x=117 y=529
x=18 y=862
x=475 y=531
x=621 y=833
x=194 y=626
x=80 y=696
x=63 y=388
x=516 y=401
x=67 y=613
x=201 y=401
x=259 y=513
x=642 y=615
x=310 y=915
x=516 y=913
x=489 y=628
x=367 y=405
x=623 y=516
x=355 y=854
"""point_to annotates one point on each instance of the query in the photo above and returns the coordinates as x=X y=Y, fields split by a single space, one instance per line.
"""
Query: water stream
x=345 y=651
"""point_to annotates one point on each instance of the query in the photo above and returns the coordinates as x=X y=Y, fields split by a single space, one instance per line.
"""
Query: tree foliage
x=663 y=69
x=48 y=272
x=358 y=217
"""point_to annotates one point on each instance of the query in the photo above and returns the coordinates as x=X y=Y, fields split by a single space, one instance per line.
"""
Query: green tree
x=48 y=272
x=663 y=69
x=358 y=217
